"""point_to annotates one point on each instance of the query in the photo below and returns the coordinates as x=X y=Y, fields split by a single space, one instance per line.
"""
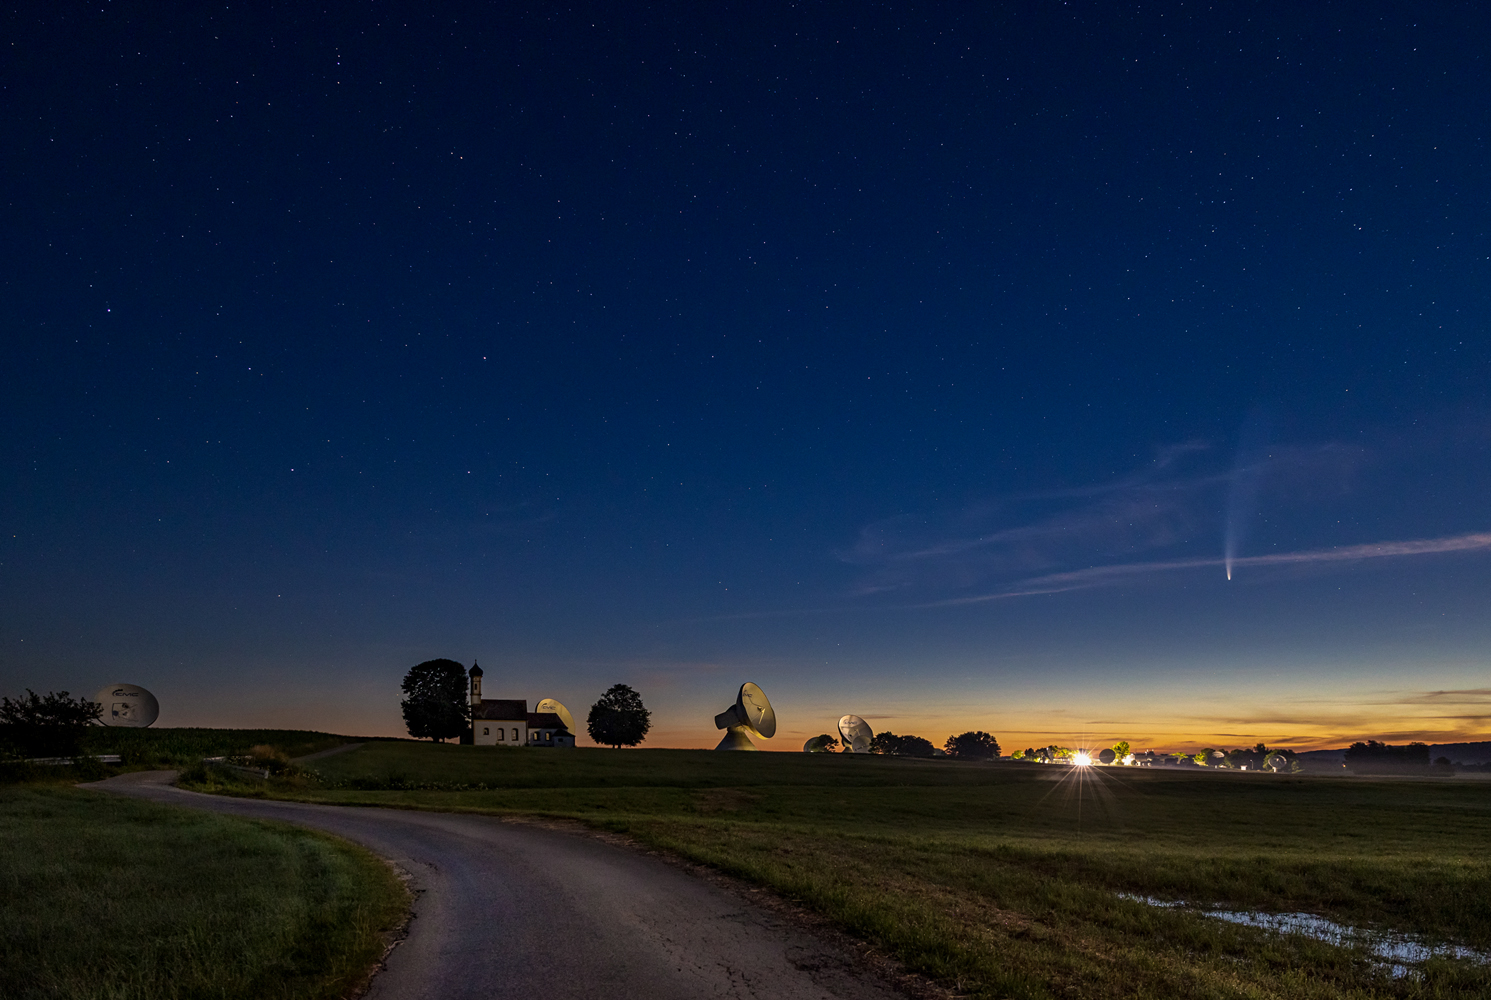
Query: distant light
x=1082 y=760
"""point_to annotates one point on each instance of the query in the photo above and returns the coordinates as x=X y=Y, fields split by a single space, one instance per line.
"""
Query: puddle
x=1398 y=951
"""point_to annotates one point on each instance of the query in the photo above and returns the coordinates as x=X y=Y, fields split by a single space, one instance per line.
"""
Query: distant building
x=507 y=721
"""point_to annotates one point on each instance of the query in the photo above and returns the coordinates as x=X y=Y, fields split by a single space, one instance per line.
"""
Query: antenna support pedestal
x=736 y=739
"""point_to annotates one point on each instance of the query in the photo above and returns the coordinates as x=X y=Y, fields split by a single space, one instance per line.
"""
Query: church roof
x=475 y=671
x=546 y=720
x=501 y=710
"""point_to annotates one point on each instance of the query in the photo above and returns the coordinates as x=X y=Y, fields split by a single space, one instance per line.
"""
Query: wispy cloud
x=1098 y=576
x=1170 y=503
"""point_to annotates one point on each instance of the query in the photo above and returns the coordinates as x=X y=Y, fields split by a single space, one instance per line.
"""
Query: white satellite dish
x=856 y=734
x=751 y=715
x=127 y=705
x=552 y=706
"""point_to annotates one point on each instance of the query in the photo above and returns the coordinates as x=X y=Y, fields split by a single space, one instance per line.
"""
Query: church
x=507 y=721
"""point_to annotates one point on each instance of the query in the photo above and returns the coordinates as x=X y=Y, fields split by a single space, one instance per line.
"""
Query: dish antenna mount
x=127 y=705
x=553 y=706
x=751 y=715
x=856 y=734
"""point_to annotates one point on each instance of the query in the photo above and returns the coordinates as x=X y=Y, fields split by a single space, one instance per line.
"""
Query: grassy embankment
x=105 y=897
x=1003 y=880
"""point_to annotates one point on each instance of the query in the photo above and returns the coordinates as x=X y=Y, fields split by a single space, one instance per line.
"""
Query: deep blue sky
x=683 y=346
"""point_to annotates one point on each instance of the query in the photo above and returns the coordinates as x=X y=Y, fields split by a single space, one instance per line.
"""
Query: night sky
x=927 y=362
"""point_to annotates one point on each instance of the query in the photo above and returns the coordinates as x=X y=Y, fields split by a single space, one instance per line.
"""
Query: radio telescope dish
x=127 y=705
x=1106 y=756
x=751 y=715
x=856 y=734
x=553 y=706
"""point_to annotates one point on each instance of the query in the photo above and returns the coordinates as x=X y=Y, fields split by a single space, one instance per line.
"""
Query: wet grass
x=1003 y=880
x=106 y=897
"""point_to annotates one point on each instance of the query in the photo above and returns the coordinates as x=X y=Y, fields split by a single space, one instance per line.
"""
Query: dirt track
x=512 y=910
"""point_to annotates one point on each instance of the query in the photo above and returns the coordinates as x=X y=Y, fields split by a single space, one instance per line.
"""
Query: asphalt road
x=514 y=910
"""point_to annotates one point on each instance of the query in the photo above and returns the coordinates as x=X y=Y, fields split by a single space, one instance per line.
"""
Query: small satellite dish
x=553 y=706
x=1107 y=757
x=127 y=705
x=856 y=734
x=751 y=715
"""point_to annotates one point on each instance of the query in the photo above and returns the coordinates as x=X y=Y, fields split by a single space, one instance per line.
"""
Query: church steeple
x=475 y=673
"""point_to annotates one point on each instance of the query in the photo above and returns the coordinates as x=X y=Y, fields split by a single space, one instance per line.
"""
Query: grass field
x=1003 y=880
x=105 y=897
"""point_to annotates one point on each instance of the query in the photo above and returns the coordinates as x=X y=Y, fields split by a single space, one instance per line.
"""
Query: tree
x=915 y=746
x=619 y=719
x=822 y=744
x=976 y=745
x=436 y=705
x=1373 y=757
x=902 y=746
x=1121 y=750
x=47 y=726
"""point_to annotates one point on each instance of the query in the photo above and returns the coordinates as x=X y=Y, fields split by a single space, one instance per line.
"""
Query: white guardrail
x=107 y=758
x=258 y=772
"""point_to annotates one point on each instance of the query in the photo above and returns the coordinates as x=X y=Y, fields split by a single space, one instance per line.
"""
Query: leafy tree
x=47 y=726
x=915 y=746
x=975 y=745
x=1204 y=757
x=619 y=718
x=1121 y=750
x=972 y=745
x=435 y=706
x=1373 y=757
x=902 y=746
x=823 y=744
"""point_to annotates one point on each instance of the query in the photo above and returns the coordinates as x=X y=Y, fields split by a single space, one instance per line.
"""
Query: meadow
x=1010 y=879
x=108 y=897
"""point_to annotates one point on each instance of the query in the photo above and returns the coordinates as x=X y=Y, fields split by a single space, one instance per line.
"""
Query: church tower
x=475 y=685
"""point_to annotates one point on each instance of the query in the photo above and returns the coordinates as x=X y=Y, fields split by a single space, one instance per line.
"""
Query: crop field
x=106 y=897
x=1014 y=880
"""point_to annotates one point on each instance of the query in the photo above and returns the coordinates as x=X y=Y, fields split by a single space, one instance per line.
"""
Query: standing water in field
x=1399 y=951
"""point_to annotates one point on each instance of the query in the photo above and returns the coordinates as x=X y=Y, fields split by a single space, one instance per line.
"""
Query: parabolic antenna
x=751 y=715
x=856 y=734
x=127 y=705
x=552 y=705
x=1106 y=756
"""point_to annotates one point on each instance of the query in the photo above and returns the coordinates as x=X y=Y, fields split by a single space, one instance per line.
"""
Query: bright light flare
x=1081 y=760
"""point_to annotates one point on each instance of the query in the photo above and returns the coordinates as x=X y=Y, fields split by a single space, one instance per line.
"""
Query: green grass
x=1002 y=880
x=105 y=897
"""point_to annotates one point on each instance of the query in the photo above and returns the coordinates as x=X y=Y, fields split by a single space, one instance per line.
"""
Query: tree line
x=973 y=745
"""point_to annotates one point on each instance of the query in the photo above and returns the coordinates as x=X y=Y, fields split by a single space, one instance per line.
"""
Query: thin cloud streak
x=1097 y=576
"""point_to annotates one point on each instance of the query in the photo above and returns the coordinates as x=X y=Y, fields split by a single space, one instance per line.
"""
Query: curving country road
x=509 y=910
